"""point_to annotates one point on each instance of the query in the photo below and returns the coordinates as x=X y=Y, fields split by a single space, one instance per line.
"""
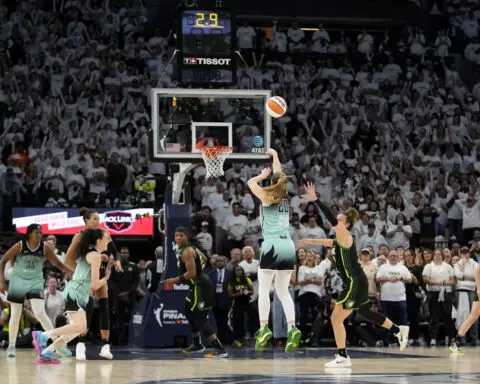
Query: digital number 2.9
x=212 y=20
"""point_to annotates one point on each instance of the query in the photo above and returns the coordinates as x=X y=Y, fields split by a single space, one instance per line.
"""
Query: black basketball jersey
x=346 y=260
x=198 y=264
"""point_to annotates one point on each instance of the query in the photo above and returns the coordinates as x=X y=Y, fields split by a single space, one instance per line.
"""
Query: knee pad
x=371 y=316
x=104 y=314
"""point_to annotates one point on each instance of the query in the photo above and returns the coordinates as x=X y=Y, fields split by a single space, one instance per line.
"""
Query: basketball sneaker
x=402 y=336
x=39 y=341
x=194 y=349
x=455 y=347
x=80 y=351
x=64 y=352
x=11 y=351
x=339 y=362
x=218 y=353
x=293 y=338
x=263 y=336
x=47 y=357
x=105 y=352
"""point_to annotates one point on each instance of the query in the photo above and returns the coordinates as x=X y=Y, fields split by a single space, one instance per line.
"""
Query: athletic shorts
x=200 y=296
x=20 y=289
x=72 y=305
x=354 y=294
x=277 y=254
x=475 y=297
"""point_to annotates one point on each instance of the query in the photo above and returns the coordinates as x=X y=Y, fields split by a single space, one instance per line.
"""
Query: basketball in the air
x=276 y=106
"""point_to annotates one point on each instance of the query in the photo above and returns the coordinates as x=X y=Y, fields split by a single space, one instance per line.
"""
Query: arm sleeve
x=327 y=212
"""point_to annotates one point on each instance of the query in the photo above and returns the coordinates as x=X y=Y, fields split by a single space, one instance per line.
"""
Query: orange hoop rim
x=212 y=153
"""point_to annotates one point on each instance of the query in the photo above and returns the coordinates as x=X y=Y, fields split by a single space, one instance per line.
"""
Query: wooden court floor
x=147 y=366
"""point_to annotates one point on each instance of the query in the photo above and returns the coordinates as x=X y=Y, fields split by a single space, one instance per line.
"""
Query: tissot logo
x=205 y=61
x=119 y=221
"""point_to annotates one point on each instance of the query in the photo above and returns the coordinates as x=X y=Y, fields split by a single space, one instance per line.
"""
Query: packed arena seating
x=379 y=119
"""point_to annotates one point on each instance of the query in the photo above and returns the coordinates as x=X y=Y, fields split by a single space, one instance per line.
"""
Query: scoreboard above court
x=207 y=47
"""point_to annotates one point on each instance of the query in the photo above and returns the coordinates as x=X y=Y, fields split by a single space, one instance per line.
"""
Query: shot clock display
x=206 y=44
x=206 y=32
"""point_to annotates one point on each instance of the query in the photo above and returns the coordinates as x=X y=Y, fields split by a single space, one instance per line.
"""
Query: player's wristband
x=327 y=212
x=182 y=279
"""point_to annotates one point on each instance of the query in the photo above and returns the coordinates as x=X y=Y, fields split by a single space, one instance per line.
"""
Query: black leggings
x=440 y=311
x=413 y=307
x=198 y=321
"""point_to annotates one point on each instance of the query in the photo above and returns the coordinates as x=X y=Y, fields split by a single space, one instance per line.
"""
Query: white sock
x=290 y=326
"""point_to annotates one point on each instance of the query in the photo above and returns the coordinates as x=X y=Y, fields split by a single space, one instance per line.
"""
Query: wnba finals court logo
x=119 y=221
x=158 y=314
x=257 y=142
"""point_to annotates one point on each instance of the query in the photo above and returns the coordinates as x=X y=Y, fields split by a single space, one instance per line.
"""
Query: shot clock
x=206 y=45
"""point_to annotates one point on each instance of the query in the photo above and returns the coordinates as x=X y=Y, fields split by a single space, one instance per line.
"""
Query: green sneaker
x=263 y=336
x=64 y=352
x=11 y=352
x=294 y=336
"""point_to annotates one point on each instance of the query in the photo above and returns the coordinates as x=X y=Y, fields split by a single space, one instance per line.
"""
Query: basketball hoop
x=214 y=157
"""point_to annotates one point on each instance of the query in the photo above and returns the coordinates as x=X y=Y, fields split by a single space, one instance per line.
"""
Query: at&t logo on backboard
x=257 y=142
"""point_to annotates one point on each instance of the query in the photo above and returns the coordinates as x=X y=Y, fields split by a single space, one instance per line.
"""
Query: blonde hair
x=277 y=191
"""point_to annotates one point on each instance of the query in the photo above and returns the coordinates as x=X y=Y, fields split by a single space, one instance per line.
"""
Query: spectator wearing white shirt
x=371 y=239
x=235 y=226
x=280 y=41
x=52 y=241
x=465 y=290
x=220 y=203
x=365 y=43
x=400 y=233
x=246 y=36
x=309 y=279
x=250 y=266
x=470 y=26
x=311 y=230
x=440 y=278
x=392 y=278
x=54 y=301
x=295 y=38
x=205 y=238
x=370 y=268
x=470 y=216
x=320 y=40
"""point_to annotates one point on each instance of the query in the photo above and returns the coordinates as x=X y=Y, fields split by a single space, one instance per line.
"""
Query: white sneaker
x=105 y=352
x=80 y=352
x=402 y=336
x=433 y=343
x=339 y=362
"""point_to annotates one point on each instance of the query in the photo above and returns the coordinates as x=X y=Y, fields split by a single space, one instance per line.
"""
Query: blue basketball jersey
x=275 y=220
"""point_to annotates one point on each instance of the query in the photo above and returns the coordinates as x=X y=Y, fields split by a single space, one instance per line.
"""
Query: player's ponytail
x=277 y=190
x=352 y=215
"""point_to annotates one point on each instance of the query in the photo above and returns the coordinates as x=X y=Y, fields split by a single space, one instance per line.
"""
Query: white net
x=214 y=157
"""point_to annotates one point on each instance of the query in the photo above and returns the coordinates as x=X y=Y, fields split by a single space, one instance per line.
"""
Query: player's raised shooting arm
x=50 y=255
x=255 y=188
x=276 y=165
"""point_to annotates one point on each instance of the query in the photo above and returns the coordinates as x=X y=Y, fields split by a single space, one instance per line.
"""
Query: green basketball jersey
x=78 y=289
x=29 y=263
x=275 y=220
